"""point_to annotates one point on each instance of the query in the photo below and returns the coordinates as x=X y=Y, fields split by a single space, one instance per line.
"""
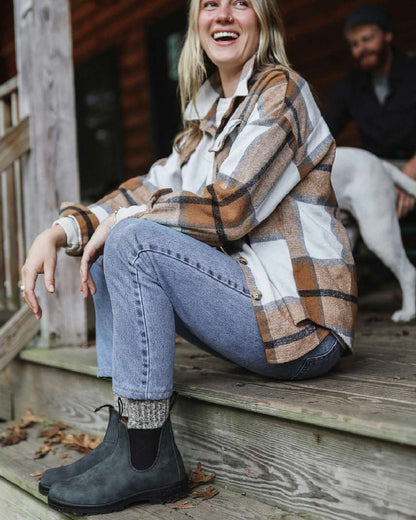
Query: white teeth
x=224 y=34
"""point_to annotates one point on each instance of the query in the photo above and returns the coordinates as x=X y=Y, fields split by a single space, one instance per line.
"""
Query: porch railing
x=17 y=323
x=14 y=143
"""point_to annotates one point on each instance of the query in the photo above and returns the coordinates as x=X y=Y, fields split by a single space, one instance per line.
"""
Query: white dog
x=365 y=188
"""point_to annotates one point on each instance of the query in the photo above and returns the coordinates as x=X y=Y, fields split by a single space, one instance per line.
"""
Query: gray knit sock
x=145 y=414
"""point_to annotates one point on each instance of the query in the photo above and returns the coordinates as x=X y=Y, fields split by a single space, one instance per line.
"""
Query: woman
x=232 y=241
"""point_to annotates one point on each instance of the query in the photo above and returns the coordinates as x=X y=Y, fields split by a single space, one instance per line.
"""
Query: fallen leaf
x=43 y=451
x=37 y=475
x=198 y=477
x=13 y=436
x=53 y=430
x=183 y=505
x=64 y=456
x=28 y=419
x=82 y=442
x=205 y=493
x=397 y=377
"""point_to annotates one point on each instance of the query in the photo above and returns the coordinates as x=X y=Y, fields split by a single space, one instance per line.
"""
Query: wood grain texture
x=50 y=173
x=360 y=396
x=328 y=474
x=14 y=143
x=18 y=505
x=16 y=333
x=17 y=465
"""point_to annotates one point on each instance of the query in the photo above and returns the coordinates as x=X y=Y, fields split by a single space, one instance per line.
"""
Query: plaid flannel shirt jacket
x=271 y=200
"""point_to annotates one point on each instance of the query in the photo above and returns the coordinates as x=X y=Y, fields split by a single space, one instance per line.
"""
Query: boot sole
x=44 y=490
x=156 y=496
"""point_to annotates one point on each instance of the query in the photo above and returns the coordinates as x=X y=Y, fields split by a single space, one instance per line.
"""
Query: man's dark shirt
x=388 y=130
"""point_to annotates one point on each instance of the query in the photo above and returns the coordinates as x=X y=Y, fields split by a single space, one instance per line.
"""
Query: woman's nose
x=224 y=15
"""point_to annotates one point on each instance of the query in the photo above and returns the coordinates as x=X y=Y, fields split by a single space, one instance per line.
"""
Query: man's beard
x=378 y=59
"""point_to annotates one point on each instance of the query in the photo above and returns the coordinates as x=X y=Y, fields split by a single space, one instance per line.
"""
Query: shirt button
x=256 y=295
x=242 y=260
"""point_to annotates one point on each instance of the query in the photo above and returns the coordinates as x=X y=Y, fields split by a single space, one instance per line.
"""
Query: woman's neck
x=229 y=80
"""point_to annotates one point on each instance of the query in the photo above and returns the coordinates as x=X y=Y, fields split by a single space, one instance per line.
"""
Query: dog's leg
x=383 y=237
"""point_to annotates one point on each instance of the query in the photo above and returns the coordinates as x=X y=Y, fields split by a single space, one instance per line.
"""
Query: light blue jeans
x=156 y=281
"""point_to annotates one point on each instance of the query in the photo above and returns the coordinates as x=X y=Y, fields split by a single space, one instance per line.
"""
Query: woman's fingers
x=28 y=292
x=49 y=274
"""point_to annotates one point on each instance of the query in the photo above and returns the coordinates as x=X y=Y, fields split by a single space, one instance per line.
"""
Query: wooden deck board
x=371 y=393
x=17 y=466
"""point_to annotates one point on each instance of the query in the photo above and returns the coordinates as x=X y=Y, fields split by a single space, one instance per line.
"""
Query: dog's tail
x=400 y=179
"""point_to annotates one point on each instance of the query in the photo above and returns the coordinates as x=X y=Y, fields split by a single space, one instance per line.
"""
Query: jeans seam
x=120 y=390
x=183 y=261
x=146 y=340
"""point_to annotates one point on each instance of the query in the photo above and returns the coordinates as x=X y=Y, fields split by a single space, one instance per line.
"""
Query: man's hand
x=41 y=260
x=92 y=251
x=405 y=203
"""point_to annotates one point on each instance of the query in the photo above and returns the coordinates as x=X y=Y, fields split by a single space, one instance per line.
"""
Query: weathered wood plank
x=50 y=174
x=18 y=505
x=349 y=406
x=17 y=465
x=331 y=475
x=6 y=394
x=16 y=333
x=14 y=143
x=8 y=87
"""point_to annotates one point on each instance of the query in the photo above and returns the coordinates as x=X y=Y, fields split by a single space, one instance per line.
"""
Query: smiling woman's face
x=228 y=31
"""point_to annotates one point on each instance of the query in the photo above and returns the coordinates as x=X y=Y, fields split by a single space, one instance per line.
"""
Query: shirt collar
x=210 y=91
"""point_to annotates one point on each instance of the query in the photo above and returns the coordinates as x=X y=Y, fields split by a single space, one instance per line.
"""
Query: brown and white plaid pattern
x=270 y=202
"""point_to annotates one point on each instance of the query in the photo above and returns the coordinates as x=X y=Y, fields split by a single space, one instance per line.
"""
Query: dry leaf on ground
x=205 y=493
x=64 y=456
x=37 y=475
x=198 y=477
x=183 y=505
x=44 y=450
x=82 y=442
x=29 y=418
x=13 y=436
x=53 y=430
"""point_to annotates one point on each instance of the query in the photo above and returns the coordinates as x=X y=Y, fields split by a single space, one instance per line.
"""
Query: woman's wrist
x=58 y=235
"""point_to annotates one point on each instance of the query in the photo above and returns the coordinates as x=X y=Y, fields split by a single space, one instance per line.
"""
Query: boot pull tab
x=102 y=406
x=120 y=407
x=172 y=400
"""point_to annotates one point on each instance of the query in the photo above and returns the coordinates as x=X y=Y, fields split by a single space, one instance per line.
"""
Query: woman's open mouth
x=225 y=36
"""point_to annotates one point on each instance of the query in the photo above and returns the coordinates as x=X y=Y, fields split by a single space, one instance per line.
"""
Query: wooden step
x=338 y=447
x=20 y=498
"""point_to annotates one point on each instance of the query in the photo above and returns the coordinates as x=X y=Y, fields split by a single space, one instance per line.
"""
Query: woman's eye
x=206 y=5
x=242 y=3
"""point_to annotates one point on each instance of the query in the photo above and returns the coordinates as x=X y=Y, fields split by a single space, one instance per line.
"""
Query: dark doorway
x=98 y=125
x=164 y=39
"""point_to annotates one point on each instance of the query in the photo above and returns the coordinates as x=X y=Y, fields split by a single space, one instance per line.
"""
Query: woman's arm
x=134 y=192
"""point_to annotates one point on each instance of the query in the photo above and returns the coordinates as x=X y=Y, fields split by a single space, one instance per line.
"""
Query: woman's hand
x=92 y=251
x=41 y=260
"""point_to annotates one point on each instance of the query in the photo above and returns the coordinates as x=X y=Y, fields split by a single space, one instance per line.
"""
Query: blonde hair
x=195 y=66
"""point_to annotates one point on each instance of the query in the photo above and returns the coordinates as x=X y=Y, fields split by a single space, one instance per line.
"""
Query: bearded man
x=379 y=95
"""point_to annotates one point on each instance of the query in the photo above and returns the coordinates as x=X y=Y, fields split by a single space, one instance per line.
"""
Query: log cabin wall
x=314 y=42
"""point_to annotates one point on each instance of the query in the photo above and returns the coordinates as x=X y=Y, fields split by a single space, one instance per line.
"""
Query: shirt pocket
x=226 y=132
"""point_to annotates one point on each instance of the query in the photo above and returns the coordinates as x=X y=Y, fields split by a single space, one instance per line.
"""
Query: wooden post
x=50 y=172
